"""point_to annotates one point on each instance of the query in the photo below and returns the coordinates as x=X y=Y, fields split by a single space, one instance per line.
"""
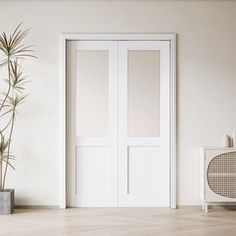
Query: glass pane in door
x=92 y=93
x=143 y=93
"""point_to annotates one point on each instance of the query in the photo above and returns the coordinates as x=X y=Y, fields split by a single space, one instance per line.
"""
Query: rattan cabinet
x=217 y=176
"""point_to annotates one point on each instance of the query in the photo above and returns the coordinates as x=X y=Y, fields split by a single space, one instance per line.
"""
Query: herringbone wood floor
x=119 y=221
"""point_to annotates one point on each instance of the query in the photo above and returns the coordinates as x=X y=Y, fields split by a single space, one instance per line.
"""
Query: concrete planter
x=7 y=202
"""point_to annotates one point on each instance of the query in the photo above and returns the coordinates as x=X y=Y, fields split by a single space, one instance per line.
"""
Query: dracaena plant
x=13 y=51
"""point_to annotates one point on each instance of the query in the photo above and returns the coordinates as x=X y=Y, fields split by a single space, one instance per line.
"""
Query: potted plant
x=12 y=83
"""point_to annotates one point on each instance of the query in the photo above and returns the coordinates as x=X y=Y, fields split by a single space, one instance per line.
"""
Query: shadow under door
x=118 y=123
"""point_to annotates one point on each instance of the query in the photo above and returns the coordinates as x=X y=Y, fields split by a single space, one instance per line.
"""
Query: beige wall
x=206 y=80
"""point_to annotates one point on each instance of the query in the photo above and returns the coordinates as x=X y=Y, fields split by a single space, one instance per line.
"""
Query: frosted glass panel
x=143 y=93
x=92 y=93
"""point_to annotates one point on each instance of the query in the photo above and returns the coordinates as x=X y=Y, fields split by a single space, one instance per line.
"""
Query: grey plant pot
x=7 y=202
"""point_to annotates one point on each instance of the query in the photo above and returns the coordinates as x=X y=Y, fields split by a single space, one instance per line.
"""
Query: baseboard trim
x=212 y=205
x=188 y=206
x=37 y=207
x=228 y=205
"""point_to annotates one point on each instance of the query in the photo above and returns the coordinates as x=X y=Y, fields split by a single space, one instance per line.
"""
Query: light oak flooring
x=119 y=221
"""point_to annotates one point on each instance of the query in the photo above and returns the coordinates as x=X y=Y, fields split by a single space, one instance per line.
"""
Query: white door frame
x=134 y=37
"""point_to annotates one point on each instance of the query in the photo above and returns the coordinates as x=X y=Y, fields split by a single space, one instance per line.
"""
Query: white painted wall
x=206 y=80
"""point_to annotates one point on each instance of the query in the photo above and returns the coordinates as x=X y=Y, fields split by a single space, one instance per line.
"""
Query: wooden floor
x=119 y=221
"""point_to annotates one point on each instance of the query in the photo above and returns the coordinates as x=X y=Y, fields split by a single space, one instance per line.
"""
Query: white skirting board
x=37 y=207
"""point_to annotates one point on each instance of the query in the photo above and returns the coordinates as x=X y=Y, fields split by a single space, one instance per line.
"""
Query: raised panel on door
x=145 y=176
x=143 y=124
x=92 y=124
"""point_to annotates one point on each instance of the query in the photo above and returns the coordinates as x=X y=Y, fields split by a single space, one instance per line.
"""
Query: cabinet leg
x=203 y=206
x=206 y=208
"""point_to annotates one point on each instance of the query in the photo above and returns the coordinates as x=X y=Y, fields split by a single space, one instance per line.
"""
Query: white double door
x=118 y=123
